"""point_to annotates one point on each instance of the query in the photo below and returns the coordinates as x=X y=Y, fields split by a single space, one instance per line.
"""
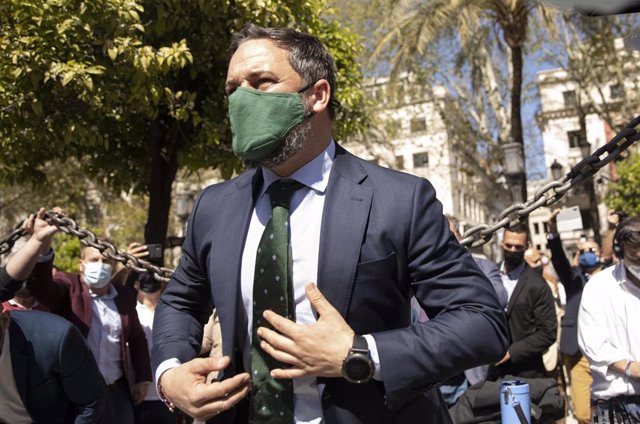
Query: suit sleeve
x=544 y=316
x=8 y=286
x=45 y=289
x=572 y=282
x=80 y=378
x=467 y=326
x=183 y=308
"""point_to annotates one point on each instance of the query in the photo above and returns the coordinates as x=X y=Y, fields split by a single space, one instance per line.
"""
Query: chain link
x=552 y=192
x=88 y=238
x=478 y=235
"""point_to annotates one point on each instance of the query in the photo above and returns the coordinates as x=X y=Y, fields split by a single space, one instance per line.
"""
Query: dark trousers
x=119 y=403
x=154 y=412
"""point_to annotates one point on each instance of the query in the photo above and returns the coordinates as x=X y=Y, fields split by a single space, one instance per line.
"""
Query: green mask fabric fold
x=261 y=120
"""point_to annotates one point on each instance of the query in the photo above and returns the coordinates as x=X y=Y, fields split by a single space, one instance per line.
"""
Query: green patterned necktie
x=271 y=399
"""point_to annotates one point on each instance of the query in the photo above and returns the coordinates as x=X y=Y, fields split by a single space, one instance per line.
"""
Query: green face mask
x=261 y=120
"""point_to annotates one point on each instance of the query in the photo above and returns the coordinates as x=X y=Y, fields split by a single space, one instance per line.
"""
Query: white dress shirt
x=510 y=279
x=104 y=335
x=608 y=328
x=145 y=316
x=306 y=208
x=12 y=410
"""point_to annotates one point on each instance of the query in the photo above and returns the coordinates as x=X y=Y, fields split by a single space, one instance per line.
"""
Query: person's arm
x=80 y=378
x=607 y=243
x=21 y=264
x=594 y=328
x=545 y=321
x=183 y=309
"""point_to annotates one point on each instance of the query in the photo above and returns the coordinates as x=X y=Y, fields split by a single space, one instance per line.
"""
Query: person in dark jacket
x=48 y=373
x=573 y=279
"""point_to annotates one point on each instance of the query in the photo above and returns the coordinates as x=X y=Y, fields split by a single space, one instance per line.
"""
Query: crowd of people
x=314 y=288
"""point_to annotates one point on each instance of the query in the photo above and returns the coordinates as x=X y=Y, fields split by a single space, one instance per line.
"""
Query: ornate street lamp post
x=513 y=168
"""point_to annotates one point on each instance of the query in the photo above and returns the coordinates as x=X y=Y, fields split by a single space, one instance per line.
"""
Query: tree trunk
x=516 y=111
x=162 y=173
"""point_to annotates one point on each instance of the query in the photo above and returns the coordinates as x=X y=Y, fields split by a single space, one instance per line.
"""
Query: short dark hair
x=628 y=232
x=307 y=55
x=519 y=228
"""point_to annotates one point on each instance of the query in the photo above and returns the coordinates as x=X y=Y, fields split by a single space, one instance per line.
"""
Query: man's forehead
x=253 y=56
x=512 y=235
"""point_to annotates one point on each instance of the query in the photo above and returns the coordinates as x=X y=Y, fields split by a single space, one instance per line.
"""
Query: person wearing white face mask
x=105 y=314
x=608 y=324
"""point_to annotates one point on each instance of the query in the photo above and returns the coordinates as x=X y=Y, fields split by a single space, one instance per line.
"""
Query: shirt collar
x=14 y=303
x=515 y=273
x=314 y=174
x=111 y=294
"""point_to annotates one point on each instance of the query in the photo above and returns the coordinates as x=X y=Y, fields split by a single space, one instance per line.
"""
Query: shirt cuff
x=166 y=365
x=46 y=258
x=373 y=350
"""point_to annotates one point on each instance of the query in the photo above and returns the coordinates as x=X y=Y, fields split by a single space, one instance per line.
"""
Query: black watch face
x=358 y=367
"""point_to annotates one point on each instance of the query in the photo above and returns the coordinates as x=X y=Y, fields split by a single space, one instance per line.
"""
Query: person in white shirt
x=608 y=325
x=151 y=410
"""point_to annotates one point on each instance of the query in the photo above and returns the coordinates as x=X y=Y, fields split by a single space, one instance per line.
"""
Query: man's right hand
x=186 y=387
x=552 y=223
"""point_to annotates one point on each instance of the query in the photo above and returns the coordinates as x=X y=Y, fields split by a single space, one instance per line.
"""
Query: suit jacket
x=55 y=373
x=66 y=295
x=373 y=256
x=573 y=280
x=532 y=325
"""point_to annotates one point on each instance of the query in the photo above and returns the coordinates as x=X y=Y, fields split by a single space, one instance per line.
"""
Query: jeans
x=453 y=389
x=119 y=403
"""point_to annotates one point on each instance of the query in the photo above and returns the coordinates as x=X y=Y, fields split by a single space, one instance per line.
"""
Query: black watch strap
x=359 y=342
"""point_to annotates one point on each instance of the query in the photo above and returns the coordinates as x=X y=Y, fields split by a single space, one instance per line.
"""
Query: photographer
x=608 y=322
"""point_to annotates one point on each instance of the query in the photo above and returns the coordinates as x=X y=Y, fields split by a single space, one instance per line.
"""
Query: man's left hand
x=139 y=392
x=312 y=350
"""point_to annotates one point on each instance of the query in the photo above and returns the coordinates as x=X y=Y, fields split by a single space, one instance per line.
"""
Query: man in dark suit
x=530 y=310
x=345 y=351
x=47 y=373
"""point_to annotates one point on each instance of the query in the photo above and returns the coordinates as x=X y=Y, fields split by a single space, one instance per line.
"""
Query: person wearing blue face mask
x=574 y=279
x=105 y=314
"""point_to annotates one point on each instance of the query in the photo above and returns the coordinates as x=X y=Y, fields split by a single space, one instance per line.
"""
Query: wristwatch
x=358 y=366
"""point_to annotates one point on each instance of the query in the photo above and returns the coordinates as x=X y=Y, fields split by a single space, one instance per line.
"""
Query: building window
x=615 y=91
x=574 y=138
x=420 y=160
x=418 y=125
x=399 y=162
x=536 y=228
x=570 y=99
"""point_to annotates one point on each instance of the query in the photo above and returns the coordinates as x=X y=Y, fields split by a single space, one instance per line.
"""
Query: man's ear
x=320 y=96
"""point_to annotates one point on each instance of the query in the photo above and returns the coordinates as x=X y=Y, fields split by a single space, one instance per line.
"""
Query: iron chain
x=555 y=190
x=478 y=235
x=88 y=238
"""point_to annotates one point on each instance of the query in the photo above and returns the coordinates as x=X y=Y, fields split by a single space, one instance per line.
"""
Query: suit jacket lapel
x=226 y=260
x=344 y=219
x=19 y=360
x=522 y=281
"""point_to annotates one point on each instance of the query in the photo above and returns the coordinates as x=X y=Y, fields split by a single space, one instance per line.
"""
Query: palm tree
x=414 y=28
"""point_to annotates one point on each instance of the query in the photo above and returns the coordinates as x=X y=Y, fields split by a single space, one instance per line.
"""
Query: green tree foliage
x=133 y=89
x=624 y=194
x=67 y=256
